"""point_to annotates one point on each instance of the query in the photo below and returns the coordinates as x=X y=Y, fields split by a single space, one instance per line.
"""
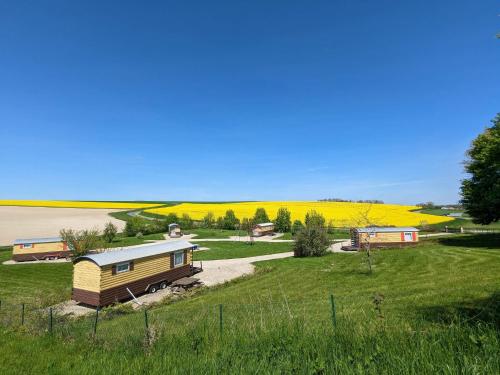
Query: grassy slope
x=121 y=240
x=229 y=250
x=34 y=283
x=279 y=320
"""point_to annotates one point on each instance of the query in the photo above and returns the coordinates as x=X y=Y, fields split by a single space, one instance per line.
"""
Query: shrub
x=109 y=232
x=297 y=226
x=230 y=221
x=313 y=239
x=80 y=242
x=260 y=216
x=208 y=220
x=283 y=222
x=134 y=226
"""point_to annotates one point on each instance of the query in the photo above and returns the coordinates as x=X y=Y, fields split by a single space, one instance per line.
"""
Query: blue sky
x=234 y=100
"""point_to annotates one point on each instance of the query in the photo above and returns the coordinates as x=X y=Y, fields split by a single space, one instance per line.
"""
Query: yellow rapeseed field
x=75 y=204
x=343 y=214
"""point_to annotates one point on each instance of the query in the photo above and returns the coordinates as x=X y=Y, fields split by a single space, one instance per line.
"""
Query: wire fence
x=121 y=324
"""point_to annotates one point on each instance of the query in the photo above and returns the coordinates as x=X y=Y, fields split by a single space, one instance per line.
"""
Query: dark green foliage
x=80 y=242
x=247 y=225
x=314 y=219
x=134 y=226
x=208 y=220
x=186 y=222
x=230 y=221
x=171 y=218
x=297 y=226
x=109 y=232
x=260 y=216
x=283 y=222
x=481 y=192
x=312 y=240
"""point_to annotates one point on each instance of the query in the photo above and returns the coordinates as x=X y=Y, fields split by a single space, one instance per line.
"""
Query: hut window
x=27 y=245
x=178 y=259
x=373 y=234
x=122 y=267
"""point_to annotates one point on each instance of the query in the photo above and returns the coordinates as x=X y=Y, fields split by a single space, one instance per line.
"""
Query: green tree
x=110 y=232
x=171 y=218
x=134 y=225
x=481 y=192
x=297 y=226
x=260 y=216
x=186 y=222
x=208 y=220
x=314 y=219
x=283 y=222
x=230 y=221
x=247 y=225
x=220 y=223
x=312 y=240
x=80 y=242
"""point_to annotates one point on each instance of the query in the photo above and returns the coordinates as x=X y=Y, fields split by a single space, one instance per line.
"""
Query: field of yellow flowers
x=343 y=214
x=75 y=204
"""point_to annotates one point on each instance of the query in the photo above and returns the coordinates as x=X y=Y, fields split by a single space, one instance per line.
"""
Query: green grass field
x=229 y=250
x=214 y=233
x=440 y=313
x=122 y=240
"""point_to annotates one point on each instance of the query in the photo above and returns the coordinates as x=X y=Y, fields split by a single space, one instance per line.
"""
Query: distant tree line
x=375 y=201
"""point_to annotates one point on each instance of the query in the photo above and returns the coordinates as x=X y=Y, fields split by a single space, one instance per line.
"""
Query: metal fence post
x=146 y=318
x=50 y=320
x=96 y=319
x=334 y=315
x=220 y=319
x=22 y=314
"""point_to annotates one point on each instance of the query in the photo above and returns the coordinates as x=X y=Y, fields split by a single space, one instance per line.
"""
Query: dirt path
x=27 y=222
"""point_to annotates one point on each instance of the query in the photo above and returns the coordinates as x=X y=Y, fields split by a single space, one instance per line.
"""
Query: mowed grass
x=439 y=313
x=233 y=249
x=39 y=284
x=214 y=233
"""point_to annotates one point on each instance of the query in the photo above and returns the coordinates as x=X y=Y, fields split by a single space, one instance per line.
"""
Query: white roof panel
x=136 y=252
x=20 y=241
x=386 y=229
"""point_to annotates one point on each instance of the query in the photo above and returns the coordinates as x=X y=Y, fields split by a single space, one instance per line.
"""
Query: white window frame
x=123 y=264
x=27 y=245
x=175 y=258
x=372 y=234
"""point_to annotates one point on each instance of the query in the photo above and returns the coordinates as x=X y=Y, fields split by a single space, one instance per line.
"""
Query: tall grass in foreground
x=273 y=336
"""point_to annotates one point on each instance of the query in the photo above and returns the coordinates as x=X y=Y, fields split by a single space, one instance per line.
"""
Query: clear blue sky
x=244 y=100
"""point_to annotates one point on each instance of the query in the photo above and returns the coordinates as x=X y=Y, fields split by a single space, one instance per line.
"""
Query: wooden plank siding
x=87 y=276
x=38 y=248
x=99 y=286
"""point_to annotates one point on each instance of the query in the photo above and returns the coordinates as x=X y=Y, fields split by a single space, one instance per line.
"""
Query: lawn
x=214 y=233
x=122 y=240
x=336 y=235
x=230 y=250
x=437 y=311
x=35 y=284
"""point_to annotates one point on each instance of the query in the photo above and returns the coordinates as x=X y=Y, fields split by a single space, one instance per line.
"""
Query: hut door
x=408 y=236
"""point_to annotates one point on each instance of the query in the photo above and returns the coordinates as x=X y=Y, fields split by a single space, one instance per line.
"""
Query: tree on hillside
x=481 y=192
x=133 y=226
x=312 y=240
x=185 y=221
x=230 y=221
x=297 y=226
x=80 y=242
x=314 y=219
x=171 y=218
x=260 y=216
x=208 y=220
x=109 y=232
x=283 y=222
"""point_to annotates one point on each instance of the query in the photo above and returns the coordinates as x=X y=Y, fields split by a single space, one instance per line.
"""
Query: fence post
x=220 y=319
x=146 y=318
x=334 y=315
x=96 y=319
x=22 y=314
x=50 y=320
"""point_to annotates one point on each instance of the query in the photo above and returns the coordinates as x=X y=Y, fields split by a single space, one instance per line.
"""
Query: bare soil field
x=26 y=222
